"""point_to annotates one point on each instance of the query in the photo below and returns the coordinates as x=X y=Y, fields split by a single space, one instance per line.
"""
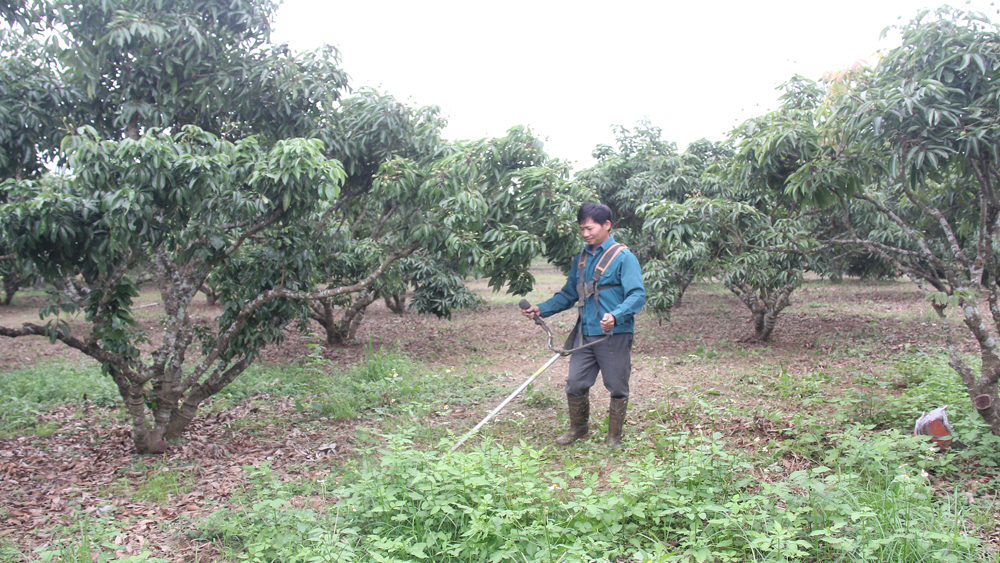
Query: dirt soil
x=702 y=352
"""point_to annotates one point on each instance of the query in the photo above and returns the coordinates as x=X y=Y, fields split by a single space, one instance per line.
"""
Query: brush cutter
x=565 y=351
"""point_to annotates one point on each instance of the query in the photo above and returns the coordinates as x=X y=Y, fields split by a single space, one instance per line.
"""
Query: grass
x=692 y=499
x=548 y=279
x=27 y=393
x=92 y=539
x=865 y=496
x=161 y=482
x=743 y=453
x=59 y=382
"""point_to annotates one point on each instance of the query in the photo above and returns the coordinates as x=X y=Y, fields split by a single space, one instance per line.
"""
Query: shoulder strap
x=607 y=258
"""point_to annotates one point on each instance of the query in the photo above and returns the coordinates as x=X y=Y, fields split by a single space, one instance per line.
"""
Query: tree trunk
x=396 y=303
x=343 y=330
x=323 y=313
x=357 y=313
x=682 y=284
x=763 y=332
x=135 y=405
x=758 y=322
x=10 y=286
x=9 y=291
x=178 y=416
x=982 y=389
x=347 y=327
x=211 y=297
x=765 y=305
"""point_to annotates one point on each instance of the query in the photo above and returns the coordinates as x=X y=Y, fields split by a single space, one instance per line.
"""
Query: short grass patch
x=28 y=392
x=94 y=538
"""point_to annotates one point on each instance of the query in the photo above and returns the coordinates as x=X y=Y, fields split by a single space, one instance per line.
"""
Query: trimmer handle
x=526 y=305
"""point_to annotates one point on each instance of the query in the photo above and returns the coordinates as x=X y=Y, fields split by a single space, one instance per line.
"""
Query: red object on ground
x=935 y=424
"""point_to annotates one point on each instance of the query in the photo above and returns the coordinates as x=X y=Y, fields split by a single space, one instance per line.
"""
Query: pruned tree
x=914 y=143
x=403 y=178
x=754 y=251
x=204 y=153
x=156 y=182
x=756 y=238
x=645 y=170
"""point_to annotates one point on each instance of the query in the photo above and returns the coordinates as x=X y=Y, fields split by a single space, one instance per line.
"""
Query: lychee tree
x=915 y=143
x=201 y=152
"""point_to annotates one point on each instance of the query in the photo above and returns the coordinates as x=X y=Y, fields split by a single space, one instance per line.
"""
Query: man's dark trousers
x=613 y=358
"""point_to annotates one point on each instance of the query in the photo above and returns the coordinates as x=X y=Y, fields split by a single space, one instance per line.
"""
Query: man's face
x=594 y=233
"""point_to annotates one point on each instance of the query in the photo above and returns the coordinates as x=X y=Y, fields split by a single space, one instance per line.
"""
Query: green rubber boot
x=616 y=420
x=579 y=415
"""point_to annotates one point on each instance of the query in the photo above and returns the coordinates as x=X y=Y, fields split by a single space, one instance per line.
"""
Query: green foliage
x=643 y=172
x=28 y=392
x=10 y=552
x=59 y=382
x=898 y=163
x=276 y=380
x=198 y=62
x=438 y=289
x=536 y=398
x=162 y=486
x=201 y=156
x=269 y=529
x=382 y=379
x=33 y=99
x=691 y=500
x=187 y=138
x=745 y=230
x=17 y=414
x=91 y=539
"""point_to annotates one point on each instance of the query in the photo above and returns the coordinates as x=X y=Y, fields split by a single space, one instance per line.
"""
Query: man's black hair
x=598 y=212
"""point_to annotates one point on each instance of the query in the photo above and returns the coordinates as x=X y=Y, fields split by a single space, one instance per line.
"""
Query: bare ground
x=86 y=463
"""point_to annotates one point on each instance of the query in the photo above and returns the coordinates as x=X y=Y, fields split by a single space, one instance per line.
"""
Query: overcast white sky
x=572 y=70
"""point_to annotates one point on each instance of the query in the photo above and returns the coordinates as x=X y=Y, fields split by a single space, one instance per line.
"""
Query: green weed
x=268 y=379
x=536 y=398
x=689 y=500
x=26 y=393
x=383 y=378
x=164 y=486
x=8 y=551
x=59 y=382
x=802 y=387
x=91 y=540
x=702 y=353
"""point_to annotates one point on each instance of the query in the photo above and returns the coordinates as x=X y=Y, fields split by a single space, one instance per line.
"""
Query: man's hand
x=530 y=312
x=608 y=322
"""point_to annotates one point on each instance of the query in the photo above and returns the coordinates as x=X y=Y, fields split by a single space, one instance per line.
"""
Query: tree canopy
x=197 y=153
x=902 y=157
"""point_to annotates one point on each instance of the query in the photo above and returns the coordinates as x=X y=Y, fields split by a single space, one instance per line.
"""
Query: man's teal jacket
x=623 y=299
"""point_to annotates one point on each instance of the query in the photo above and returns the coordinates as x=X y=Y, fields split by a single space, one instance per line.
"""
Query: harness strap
x=586 y=289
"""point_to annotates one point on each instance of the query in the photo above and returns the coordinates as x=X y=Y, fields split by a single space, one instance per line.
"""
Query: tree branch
x=88 y=348
x=377 y=231
x=927 y=254
x=322 y=221
x=956 y=248
x=244 y=315
x=883 y=250
x=267 y=222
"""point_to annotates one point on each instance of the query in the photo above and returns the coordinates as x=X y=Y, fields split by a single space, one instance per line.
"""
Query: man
x=607 y=303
